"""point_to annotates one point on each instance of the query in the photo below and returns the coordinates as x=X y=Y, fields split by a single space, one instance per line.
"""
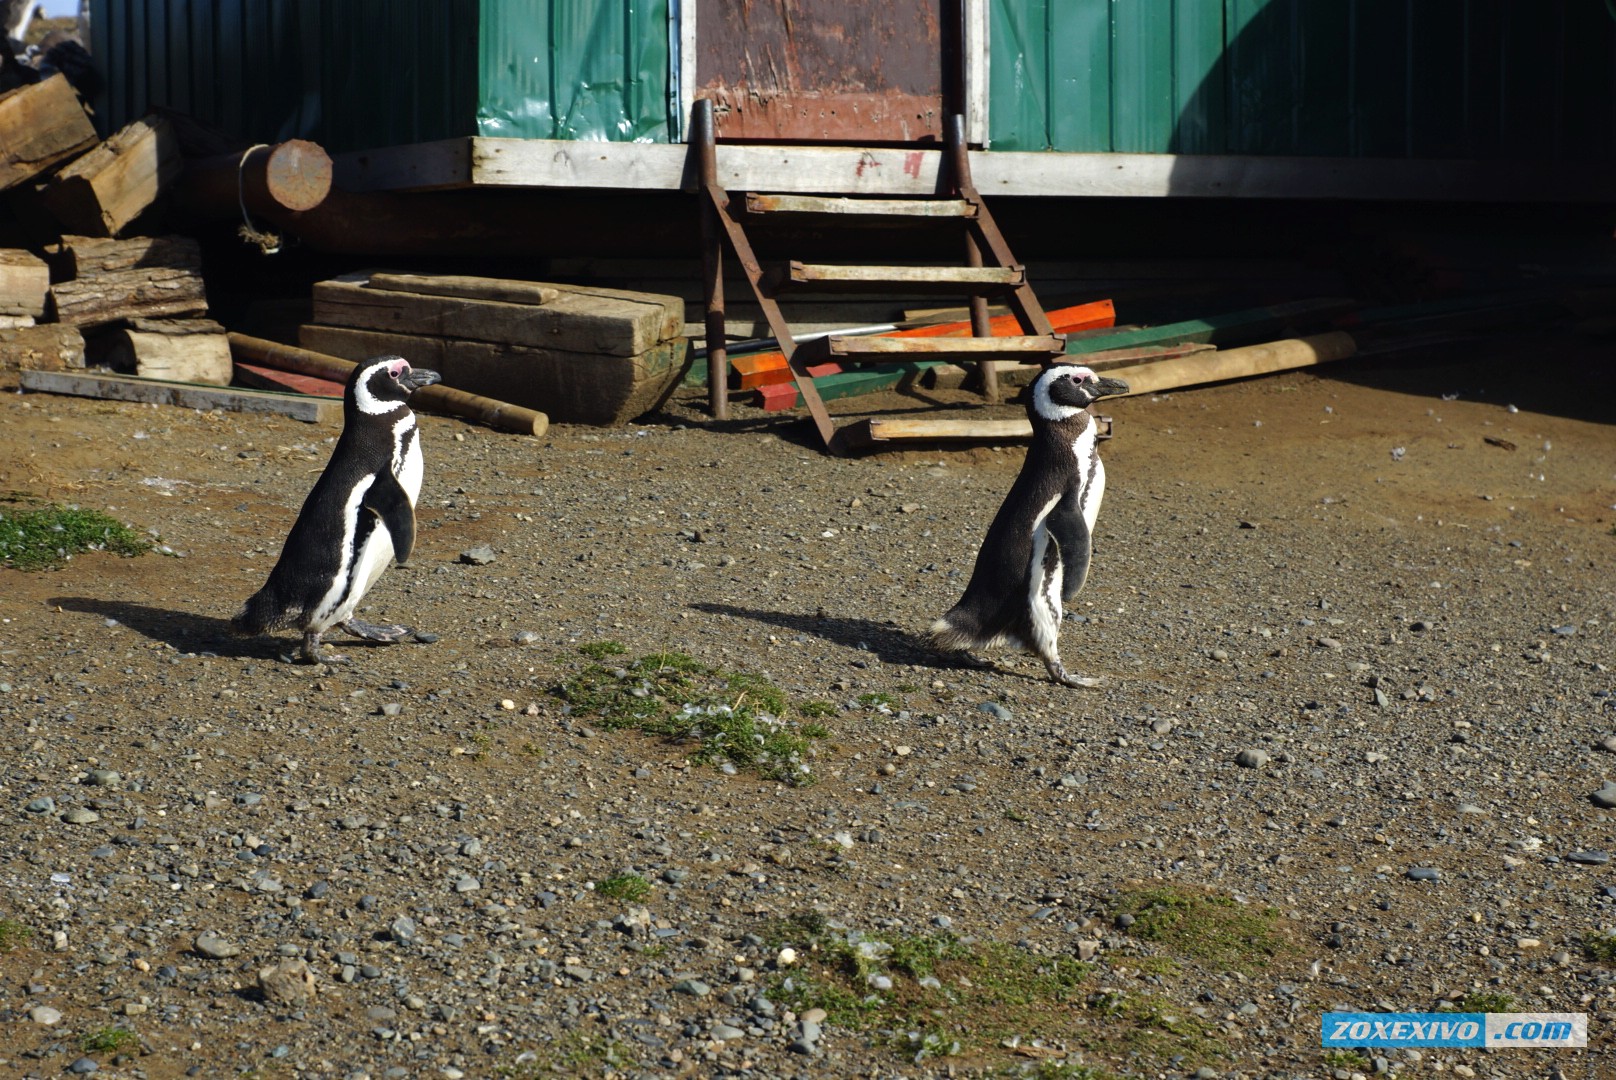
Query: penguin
x=1035 y=556
x=359 y=517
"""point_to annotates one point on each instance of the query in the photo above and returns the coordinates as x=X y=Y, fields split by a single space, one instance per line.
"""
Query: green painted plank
x=1233 y=328
x=868 y=380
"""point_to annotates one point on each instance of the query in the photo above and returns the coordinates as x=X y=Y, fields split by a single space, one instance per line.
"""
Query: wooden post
x=980 y=324
x=712 y=262
x=291 y=176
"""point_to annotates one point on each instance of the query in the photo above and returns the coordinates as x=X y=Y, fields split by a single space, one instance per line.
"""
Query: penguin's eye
x=394 y=375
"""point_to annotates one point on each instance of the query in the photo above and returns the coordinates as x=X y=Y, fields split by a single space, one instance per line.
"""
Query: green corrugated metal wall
x=1361 y=78
x=1350 y=78
x=357 y=74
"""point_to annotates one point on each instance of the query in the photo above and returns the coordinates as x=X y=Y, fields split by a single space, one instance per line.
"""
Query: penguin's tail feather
x=261 y=614
x=949 y=637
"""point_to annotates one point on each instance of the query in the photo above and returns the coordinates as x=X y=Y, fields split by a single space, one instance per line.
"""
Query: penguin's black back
x=314 y=552
x=996 y=603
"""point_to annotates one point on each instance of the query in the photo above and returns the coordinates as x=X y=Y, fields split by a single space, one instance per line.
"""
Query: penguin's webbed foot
x=388 y=634
x=1058 y=672
x=310 y=652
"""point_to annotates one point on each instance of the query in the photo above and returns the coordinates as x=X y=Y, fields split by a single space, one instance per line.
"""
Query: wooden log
x=51 y=347
x=24 y=283
x=499 y=415
x=1155 y=376
x=606 y=322
x=40 y=125
x=186 y=395
x=573 y=388
x=293 y=176
x=190 y=351
x=107 y=188
x=146 y=277
x=471 y=288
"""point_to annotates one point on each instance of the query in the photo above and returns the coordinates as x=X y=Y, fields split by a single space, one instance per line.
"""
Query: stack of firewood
x=92 y=286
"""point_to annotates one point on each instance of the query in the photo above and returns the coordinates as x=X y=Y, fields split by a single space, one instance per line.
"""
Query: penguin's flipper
x=387 y=500
x=1068 y=529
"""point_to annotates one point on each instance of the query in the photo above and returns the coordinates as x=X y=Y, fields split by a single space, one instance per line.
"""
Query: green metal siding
x=368 y=73
x=1350 y=78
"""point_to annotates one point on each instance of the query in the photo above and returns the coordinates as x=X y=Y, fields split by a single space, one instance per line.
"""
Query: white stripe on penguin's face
x=368 y=402
x=1046 y=406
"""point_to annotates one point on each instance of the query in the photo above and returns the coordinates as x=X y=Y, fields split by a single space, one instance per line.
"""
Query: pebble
x=1251 y=758
x=44 y=805
x=83 y=1066
x=81 y=815
x=289 y=982
x=403 y=930
x=693 y=987
x=725 y=1033
x=467 y=884
x=1605 y=797
x=481 y=555
x=1589 y=858
x=1607 y=744
x=44 y=1015
x=994 y=709
x=215 y=947
x=1424 y=873
x=107 y=778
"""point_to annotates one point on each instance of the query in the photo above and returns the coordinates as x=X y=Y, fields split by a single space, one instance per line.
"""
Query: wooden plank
x=472 y=288
x=1155 y=376
x=259 y=377
x=24 y=282
x=937 y=430
x=842 y=205
x=185 y=395
x=40 y=125
x=875 y=350
x=107 y=188
x=567 y=164
x=606 y=322
x=852 y=383
x=173 y=352
x=573 y=388
x=1233 y=328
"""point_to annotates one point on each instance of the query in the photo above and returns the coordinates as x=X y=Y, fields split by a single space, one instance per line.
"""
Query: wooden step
x=884 y=350
x=959 y=280
x=758 y=203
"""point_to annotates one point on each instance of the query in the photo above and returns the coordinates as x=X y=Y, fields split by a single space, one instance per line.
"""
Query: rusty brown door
x=823 y=70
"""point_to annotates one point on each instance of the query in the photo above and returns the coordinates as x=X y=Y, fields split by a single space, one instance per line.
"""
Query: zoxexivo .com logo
x=1496 y=1030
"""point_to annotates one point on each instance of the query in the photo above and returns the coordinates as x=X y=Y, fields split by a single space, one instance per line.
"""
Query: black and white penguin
x=358 y=519
x=1035 y=556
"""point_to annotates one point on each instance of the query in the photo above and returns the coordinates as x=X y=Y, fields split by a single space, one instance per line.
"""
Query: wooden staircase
x=990 y=271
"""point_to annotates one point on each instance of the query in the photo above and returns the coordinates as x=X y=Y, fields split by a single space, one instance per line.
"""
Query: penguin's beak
x=416 y=378
x=1107 y=387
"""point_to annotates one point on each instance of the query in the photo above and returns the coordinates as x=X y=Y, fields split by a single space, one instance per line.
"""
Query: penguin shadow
x=185 y=631
x=885 y=641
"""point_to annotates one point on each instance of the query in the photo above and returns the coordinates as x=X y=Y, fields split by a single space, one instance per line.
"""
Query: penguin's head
x=1064 y=390
x=383 y=384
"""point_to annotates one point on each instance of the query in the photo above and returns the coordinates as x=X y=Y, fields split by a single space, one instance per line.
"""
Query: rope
x=269 y=243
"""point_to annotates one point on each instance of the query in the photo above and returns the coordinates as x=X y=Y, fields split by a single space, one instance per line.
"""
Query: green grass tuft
x=1483 y=1002
x=600 y=650
x=43 y=537
x=733 y=717
x=1599 y=947
x=12 y=934
x=630 y=887
x=107 y=1039
x=1210 y=929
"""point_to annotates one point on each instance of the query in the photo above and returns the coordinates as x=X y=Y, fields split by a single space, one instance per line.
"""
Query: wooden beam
x=107 y=188
x=1236 y=327
x=1155 y=376
x=567 y=164
x=185 y=395
x=505 y=290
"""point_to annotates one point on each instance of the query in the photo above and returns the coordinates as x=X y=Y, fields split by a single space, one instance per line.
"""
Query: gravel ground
x=1355 y=632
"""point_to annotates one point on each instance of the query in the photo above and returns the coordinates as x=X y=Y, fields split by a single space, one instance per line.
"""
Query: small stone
x=814 y=1016
x=43 y=805
x=1374 y=757
x=44 y=1015
x=1329 y=643
x=725 y=1033
x=108 y=778
x=215 y=947
x=1381 y=700
x=1424 y=873
x=83 y=1066
x=289 y=982
x=995 y=710
x=1605 y=797
x=786 y=957
x=1589 y=858
x=1251 y=758
x=1607 y=744
x=526 y=637
x=467 y=884
x=693 y=987
x=481 y=555
x=81 y=815
x=403 y=930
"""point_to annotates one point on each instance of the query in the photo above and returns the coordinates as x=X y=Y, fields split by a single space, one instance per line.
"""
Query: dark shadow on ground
x=182 y=630
x=886 y=641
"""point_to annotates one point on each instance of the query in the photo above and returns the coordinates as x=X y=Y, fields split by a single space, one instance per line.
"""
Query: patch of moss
x=12 y=934
x=107 y=1039
x=734 y=717
x=42 y=537
x=1213 y=930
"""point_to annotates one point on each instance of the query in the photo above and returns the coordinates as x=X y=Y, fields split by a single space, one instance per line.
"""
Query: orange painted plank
x=264 y=378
